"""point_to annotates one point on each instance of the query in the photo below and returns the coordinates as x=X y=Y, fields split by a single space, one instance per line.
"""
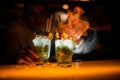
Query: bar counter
x=83 y=70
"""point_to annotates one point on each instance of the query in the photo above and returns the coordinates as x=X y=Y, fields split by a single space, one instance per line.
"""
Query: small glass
x=64 y=48
x=42 y=45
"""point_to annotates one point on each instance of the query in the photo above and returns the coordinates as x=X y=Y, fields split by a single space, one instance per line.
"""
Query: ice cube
x=41 y=40
x=68 y=43
x=58 y=43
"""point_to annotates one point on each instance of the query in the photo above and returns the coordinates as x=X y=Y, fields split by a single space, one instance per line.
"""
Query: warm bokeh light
x=65 y=6
x=62 y=15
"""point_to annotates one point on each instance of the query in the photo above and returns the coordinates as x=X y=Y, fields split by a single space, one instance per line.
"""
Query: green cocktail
x=64 y=48
x=42 y=45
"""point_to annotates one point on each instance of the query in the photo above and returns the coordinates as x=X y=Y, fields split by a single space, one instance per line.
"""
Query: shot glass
x=63 y=49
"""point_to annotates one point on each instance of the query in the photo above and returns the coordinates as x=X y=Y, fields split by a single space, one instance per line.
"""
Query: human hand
x=28 y=56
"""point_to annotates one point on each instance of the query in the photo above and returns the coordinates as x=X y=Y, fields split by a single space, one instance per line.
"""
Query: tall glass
x=64 y=49
x=42 y=45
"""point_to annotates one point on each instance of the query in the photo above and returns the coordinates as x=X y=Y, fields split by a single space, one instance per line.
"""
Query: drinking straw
x=50 y=22
x=47 y=25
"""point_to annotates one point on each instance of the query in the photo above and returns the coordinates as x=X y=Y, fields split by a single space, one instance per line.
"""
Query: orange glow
x=64 y=35
x=79 y=70
x=65 y=6
x=74 y=26
x=50 y=35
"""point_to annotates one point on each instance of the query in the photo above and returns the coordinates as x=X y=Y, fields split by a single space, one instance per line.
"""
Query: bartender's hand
x=28 y=56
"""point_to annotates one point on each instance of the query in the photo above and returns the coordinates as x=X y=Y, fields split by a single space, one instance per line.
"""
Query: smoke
x=89 y=43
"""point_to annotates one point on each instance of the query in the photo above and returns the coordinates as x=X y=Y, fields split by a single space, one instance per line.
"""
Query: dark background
x=108 y=42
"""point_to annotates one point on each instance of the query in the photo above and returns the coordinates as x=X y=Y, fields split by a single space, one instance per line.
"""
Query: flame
x=74 y=27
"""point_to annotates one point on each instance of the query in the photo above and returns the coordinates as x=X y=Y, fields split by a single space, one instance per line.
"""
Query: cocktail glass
x=42 y=45
x=63 y=49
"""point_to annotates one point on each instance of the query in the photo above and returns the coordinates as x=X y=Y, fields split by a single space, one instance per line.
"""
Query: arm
x=15 y=44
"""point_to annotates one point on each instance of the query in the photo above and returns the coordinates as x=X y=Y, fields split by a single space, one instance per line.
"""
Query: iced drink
x=64 y=49
x=42 y=45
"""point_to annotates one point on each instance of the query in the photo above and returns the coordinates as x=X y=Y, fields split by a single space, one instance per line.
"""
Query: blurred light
x=65 y=6
x=63 y=16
